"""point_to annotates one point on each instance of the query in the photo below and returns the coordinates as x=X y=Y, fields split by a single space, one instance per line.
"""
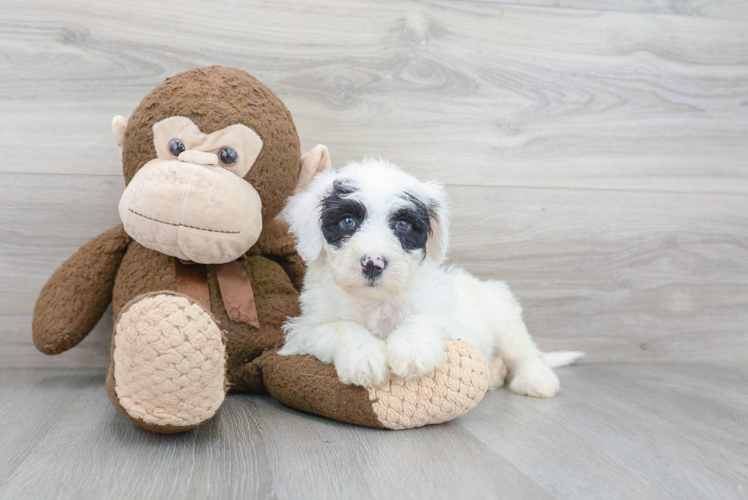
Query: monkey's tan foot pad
x=168 y=363
x=307 y=384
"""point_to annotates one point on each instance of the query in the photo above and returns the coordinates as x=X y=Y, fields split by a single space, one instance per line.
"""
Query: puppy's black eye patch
x=341 y=216
x=416 y=219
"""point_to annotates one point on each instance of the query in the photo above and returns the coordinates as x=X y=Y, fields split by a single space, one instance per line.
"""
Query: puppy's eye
x=403 y=225
x=228 y=156
x=347 y=223
x=176 y=147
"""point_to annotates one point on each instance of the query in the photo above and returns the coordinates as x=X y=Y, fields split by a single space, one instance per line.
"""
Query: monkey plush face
x=208 y=157
x=191 y=201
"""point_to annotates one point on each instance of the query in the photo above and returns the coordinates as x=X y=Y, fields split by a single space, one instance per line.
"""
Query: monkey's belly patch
x=169 y=362
x=182 y=225
x=453 y=389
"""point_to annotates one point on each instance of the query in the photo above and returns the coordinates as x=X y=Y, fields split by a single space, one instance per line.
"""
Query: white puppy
x=375 y=299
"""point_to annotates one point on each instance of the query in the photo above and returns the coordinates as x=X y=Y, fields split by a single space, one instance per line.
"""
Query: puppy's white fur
x=398 y=323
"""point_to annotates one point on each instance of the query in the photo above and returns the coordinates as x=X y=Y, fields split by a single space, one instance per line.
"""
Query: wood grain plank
x=723 y=9
x=30 y=405
x=621 y=275
x=625 y=431
x=473 y=93
x=615 y=431
x=437 y=463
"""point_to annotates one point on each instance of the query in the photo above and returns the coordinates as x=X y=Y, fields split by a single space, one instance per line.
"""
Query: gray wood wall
x=596 y=152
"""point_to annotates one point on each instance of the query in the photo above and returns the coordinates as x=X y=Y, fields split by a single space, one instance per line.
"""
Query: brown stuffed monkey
x=202 y=275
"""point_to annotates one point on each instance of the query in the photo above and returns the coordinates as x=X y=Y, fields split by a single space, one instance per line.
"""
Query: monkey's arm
x=78 y=293
x=277 y=244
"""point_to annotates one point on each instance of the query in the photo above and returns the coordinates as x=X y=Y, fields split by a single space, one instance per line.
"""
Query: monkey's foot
x=168 y=368
x=453 y=389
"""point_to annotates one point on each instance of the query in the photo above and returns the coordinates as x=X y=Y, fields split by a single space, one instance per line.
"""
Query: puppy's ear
x=436 y=245
x=315 y=161
x=302 y=213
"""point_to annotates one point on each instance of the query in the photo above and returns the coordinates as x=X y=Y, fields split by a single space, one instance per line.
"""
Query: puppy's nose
x=373 y=266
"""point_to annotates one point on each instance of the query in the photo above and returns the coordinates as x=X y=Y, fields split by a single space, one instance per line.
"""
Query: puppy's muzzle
x=372 y=267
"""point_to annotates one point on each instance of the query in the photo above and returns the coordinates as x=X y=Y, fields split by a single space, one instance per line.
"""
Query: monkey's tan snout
x=202 y=213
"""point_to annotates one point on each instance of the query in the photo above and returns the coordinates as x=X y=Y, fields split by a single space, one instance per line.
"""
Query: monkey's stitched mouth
x=182 y=225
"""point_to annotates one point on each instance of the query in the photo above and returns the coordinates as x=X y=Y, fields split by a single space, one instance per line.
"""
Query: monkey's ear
x=119 y=125
x=315 y=161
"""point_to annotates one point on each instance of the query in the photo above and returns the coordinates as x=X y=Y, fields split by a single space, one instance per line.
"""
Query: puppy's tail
x=561 y=358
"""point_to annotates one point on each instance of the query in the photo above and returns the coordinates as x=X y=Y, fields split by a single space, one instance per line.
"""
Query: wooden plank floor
x=615 y=431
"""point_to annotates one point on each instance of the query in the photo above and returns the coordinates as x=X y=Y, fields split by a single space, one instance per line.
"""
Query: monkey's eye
x=228 y=156
x=347 y=223
x=402 y=225
x=176 y=147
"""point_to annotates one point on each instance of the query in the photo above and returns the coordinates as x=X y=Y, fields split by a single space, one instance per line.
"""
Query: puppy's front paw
x=364 y=364
x=411 y=356
x=534 y=378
